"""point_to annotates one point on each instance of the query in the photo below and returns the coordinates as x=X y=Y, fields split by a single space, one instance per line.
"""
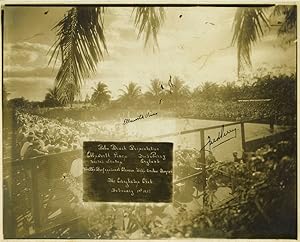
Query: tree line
x=280 y=89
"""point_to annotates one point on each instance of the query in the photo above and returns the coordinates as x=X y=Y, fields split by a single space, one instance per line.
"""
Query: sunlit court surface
x=149 y=122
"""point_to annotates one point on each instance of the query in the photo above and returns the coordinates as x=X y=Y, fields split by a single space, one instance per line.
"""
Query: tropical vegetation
x=101 y=95
x=81 y=41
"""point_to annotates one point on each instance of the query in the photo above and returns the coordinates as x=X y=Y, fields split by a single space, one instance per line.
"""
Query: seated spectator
x=26 y=145
x=235 y=157
x=34 y=150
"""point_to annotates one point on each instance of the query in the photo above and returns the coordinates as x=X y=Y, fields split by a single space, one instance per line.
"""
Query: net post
x=243 y=136
x=9 y=228
x=35 y=196
x=203 y=162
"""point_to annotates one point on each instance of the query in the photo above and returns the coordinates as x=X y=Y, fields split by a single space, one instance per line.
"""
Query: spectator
x=34 y=150
x=26 y=145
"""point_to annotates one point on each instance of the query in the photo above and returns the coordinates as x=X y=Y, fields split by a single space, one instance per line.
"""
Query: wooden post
x=35 y=196
x=203 y=162
x=243 y=136
x=10 y=225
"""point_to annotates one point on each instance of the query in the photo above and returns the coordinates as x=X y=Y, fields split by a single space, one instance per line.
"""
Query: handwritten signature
x=141 y=116
x=221 y=137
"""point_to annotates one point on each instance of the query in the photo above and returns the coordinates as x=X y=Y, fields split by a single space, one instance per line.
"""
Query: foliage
x=281 y=89
x=21 y=103
x=262 y=205
x=130 y=94
x=248 y=29
x=207 y=92
x=288 y=26
x=264 y=202
x=81 y=43
x=230 y=92
x=148 y=20
x=52 y=98
x=81 y=40
x=179 y=91
x=155 y=92
x=250 y=24
x=207 y=101
x=101 y=94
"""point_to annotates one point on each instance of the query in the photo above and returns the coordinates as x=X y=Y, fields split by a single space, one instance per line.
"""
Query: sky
x=196 y=47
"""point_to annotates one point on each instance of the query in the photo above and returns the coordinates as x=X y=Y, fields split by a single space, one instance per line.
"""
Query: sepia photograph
x=126 y=122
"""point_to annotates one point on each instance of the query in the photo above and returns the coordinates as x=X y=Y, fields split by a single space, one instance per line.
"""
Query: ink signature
x=221 y=137
x=141 y=116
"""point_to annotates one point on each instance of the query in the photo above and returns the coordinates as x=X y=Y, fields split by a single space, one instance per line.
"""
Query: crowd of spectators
x=36 y=136
x=233 y=111
x=236 y=111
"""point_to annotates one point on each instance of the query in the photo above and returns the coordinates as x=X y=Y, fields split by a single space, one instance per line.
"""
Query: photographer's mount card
x=127 y=171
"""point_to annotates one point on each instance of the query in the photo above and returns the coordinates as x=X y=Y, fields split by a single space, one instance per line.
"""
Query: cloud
x=25 y=59
x=120 y=33
x=30 y=72
x=29 y=46
x=29 y=88
x=31 y=51
x=181 y=41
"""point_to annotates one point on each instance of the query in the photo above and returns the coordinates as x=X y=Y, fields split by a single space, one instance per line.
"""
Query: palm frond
x=101 y=94
x=81 y=42
x=249 y=25
x=148 y=21
x=290 y=21
x=279 y=9
x=288 y=25
x=132 y=90
x=155 y=88
x=67 y=93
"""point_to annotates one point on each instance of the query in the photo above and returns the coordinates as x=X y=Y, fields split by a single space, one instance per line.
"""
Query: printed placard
x=127 y=171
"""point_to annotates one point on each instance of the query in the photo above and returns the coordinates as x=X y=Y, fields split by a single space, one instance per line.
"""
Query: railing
x=53 y=166
x=202 y=161
x=32 y=167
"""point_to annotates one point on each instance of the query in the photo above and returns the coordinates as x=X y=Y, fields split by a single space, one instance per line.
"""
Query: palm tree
x=67 y=93
x=101 y=94
x=250 y=24
x=131 y=94
x=179 y=88
x=229 y=92
x=81 y=43
x=179 y=92
x=52 y=98
x=209 y=91
x=155 y=92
